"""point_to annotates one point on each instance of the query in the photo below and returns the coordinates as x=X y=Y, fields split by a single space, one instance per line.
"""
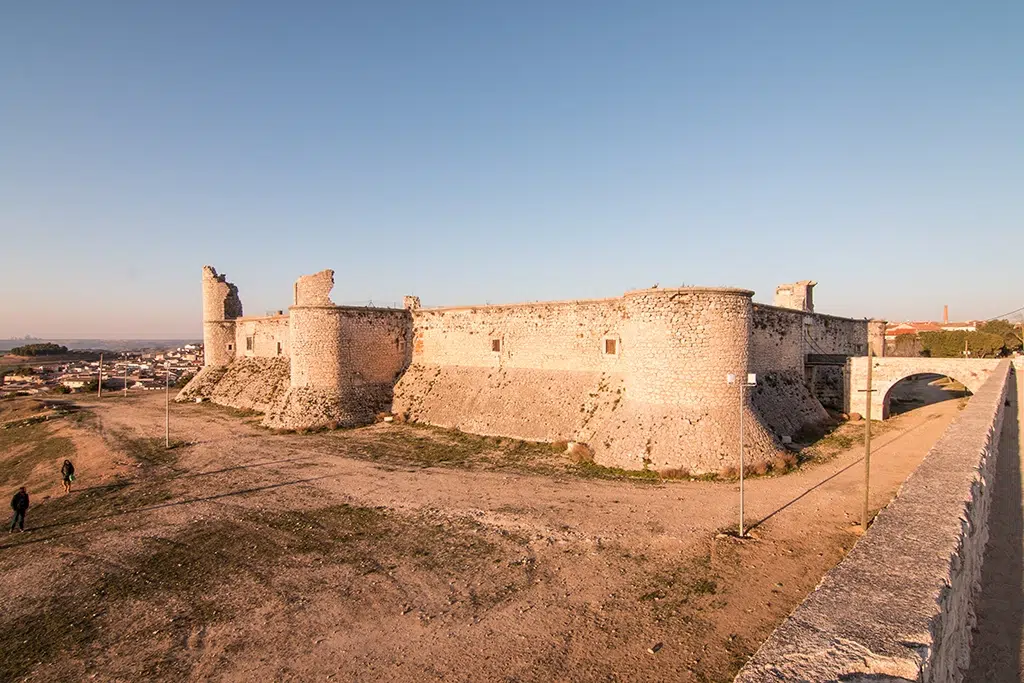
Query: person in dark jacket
x=67 y=473
x=20 y=506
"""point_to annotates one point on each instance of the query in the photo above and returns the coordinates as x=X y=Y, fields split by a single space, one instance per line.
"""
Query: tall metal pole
x=99 y=384
x=741 y=383
x=126 y=374
x=867 y=447
x=167 y=406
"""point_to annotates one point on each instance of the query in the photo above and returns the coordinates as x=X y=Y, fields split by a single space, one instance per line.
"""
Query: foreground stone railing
x=900 y=606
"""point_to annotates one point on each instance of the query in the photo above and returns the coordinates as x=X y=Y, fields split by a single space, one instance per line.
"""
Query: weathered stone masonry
x=640 y=378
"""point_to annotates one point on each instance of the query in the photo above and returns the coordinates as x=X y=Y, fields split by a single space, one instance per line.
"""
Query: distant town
x=53 y=368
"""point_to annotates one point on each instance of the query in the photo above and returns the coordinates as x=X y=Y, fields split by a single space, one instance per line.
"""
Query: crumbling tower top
x=220 y=297
x=796 y=295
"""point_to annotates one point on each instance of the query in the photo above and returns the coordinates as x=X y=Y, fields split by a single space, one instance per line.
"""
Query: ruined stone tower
x=221 y=306
x=796 y=295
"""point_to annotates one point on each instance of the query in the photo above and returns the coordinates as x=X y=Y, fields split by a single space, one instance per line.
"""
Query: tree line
x=45 y=349
x=992 y=339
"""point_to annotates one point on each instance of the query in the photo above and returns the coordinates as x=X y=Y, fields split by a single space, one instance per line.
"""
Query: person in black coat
x=67 y=473
x=20 y=506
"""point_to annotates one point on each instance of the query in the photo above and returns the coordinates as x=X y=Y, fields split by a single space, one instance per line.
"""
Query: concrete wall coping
x=250 y=318
x=350 y=309
x=691 y=290
x=579 y=302
x=896 y=606
x=528 y=304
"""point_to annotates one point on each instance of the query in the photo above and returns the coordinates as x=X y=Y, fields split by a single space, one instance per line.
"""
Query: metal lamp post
x=751 y=381
x=167 y=405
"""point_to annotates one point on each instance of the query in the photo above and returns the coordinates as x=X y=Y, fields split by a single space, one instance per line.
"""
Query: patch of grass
x=28 y=447
x=150 y=451
x=843 y=438
x=184 y=569
x=674 y=586
x=595 y=471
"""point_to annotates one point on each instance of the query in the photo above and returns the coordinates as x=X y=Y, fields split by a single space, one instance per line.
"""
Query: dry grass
x=675 y=473
x=580 y=453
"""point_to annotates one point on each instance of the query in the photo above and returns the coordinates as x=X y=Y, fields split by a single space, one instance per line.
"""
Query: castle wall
x=548 y=378
x=266 y=337
x=567 y=335
x=641 y=378
x=781 y=339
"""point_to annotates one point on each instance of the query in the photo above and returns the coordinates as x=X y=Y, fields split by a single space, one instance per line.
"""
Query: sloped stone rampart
x=246 y=384
x=900 y=606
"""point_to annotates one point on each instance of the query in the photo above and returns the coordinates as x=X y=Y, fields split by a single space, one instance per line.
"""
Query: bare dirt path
x=245 y=555
x=998 y=650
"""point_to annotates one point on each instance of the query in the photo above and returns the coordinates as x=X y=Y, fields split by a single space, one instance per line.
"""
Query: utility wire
x=999 y=317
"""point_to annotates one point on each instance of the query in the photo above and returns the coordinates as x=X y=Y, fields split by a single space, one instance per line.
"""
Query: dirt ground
x=398 y=552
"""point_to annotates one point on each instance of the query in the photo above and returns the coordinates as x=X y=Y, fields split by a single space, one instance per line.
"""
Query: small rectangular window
x=248 y=343
x=496 y=345
x=231 y=347
x=279 y=348
x=609 y=347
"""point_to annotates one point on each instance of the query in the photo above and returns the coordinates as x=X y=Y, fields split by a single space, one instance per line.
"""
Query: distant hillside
x=111 y=344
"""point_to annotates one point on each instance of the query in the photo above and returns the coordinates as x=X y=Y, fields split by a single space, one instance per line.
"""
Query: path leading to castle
x=999 y=637
x=400 y=553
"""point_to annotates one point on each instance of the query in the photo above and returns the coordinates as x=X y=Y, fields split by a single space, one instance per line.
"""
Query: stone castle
x=640 y=378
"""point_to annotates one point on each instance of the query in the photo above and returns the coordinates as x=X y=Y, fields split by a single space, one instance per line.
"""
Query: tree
x=1010 y=333
x=183 y=380
x=46 y=349
x=952 y=344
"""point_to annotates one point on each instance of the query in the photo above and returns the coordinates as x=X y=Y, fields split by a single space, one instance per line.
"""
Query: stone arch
x=888 y=371
x=887 y=394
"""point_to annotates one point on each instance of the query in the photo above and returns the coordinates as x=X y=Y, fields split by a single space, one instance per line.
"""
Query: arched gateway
x=886 y=372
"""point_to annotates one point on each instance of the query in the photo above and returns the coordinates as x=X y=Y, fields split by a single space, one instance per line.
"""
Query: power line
x=998 y=317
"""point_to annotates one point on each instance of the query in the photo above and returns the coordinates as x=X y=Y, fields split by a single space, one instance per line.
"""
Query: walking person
x=67 y=473
x=20 y=506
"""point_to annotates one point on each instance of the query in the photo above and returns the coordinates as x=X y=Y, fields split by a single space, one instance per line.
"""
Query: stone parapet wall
x=900 y=606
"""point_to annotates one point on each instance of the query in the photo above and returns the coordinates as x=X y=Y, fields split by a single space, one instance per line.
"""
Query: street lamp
x=167 y=405
x=751 y=381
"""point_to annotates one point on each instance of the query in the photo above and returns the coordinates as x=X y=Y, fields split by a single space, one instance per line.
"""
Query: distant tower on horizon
x=945 y=314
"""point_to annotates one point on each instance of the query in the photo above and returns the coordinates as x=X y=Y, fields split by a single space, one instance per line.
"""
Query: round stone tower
x=678 y=346
x=221 y=306
x=320 y=392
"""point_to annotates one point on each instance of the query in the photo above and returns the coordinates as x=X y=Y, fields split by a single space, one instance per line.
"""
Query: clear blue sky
x=506 y=151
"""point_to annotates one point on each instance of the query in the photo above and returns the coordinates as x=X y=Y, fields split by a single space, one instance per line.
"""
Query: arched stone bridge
x=886 y=372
